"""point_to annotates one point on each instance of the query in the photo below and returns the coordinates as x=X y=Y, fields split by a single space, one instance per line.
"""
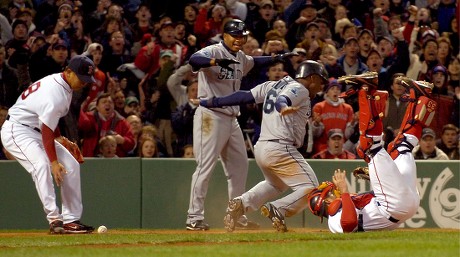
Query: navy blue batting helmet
x=236 y=27
x=308 y=67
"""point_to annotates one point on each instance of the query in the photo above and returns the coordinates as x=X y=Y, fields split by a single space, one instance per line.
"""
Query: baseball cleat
x=56 y=227
x=361 y=173
x=247 y=225
x=270 y=211
x=235 y=210
x=197 y=225
x=416 y=88
x=368 y=81
x=77 y=227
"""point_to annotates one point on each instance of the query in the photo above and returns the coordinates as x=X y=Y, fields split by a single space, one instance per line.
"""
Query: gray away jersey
x=216 y=81
x=290 y=127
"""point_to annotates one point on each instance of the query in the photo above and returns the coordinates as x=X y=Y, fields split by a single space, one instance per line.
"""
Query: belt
x=34 y=128
x=280 y=141
x=390 y=218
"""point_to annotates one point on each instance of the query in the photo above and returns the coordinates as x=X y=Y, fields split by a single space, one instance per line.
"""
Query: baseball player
x=286 y=110
x=29 y=135
x=392 y=174
x=216 y=132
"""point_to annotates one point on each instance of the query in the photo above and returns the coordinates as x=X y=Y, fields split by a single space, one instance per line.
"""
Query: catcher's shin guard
x=419 y=114
x=371 y=111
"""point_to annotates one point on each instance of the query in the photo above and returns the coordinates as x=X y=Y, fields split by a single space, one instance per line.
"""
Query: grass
x=298 y=242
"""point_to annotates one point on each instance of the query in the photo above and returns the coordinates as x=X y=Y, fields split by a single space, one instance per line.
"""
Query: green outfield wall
x=154 y=193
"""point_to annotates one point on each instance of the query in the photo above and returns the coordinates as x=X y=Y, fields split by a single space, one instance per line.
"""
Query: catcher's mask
x=316 y=197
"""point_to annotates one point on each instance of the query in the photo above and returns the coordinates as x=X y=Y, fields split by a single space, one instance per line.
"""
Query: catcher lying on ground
x=392 y=174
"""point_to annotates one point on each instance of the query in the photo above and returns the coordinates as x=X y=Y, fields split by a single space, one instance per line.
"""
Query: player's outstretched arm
x=57 y=169
x=349 y=218
x=237 y=98
x=198 y=60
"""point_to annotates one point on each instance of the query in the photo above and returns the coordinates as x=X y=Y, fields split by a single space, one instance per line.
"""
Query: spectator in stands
x=148 y=58
x=444 y=51
x=331 y=113
x=188 y=152
x=101 y=122
x=366 y=44
x=429 y=59
x=9 y=87
x=108 y=147
x=395 y=109
x=328 y=12
x=206 y=28
x=237 y=9
x=439 y=79
x=329 y=57
x=334 y=149
x=338 y=28
x=27 y=15
x=298 y=15
x=45 y=62
x=454 y=73
x=449 y=141
x=190 y=14
x=131 y=106
x=312 y=41
x=182 y=118
x=95 y=51
x=350 y=61
x=17 y=51
x=175 y=84
x=280 y=26
x=148 y=148
x=115 y=55
x=267 y=15
x=136 y=126
x=119 y=100
x=427 y=149
x=150 y=132
x=142 y=26
x=294 y=61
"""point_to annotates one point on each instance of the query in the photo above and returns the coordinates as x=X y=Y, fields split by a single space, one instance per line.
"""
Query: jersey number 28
x=32 y=88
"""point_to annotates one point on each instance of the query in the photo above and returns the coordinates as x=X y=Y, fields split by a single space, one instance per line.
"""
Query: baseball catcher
x=392 y=174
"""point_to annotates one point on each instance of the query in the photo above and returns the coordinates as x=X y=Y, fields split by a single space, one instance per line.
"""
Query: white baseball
x=102 y=229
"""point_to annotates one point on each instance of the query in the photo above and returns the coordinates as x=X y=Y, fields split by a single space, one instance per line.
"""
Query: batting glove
x=226 y=62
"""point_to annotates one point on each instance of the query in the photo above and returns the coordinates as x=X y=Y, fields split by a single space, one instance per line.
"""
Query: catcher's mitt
x=361 y=173
x=72 y=147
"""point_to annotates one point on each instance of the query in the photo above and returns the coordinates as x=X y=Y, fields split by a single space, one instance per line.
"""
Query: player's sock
x=419 y=114
x=371 y=108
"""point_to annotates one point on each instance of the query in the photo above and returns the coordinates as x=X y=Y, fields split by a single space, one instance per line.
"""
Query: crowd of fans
x=140 y=105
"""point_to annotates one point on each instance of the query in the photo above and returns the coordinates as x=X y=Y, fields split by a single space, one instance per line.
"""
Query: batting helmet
x=315 y=199
x=236 y=27
x=309 y=67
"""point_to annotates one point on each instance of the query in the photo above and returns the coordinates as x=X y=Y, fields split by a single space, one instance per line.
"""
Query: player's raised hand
x=224 y=62
x=58 y=172
x=340 y=181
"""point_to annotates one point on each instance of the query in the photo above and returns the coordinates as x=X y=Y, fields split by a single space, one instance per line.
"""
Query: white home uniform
x=216 y=132
x=44 y=102
x=276 y=151
x=395 y=187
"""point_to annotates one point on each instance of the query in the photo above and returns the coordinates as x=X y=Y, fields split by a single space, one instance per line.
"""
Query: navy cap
x=83 y=67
